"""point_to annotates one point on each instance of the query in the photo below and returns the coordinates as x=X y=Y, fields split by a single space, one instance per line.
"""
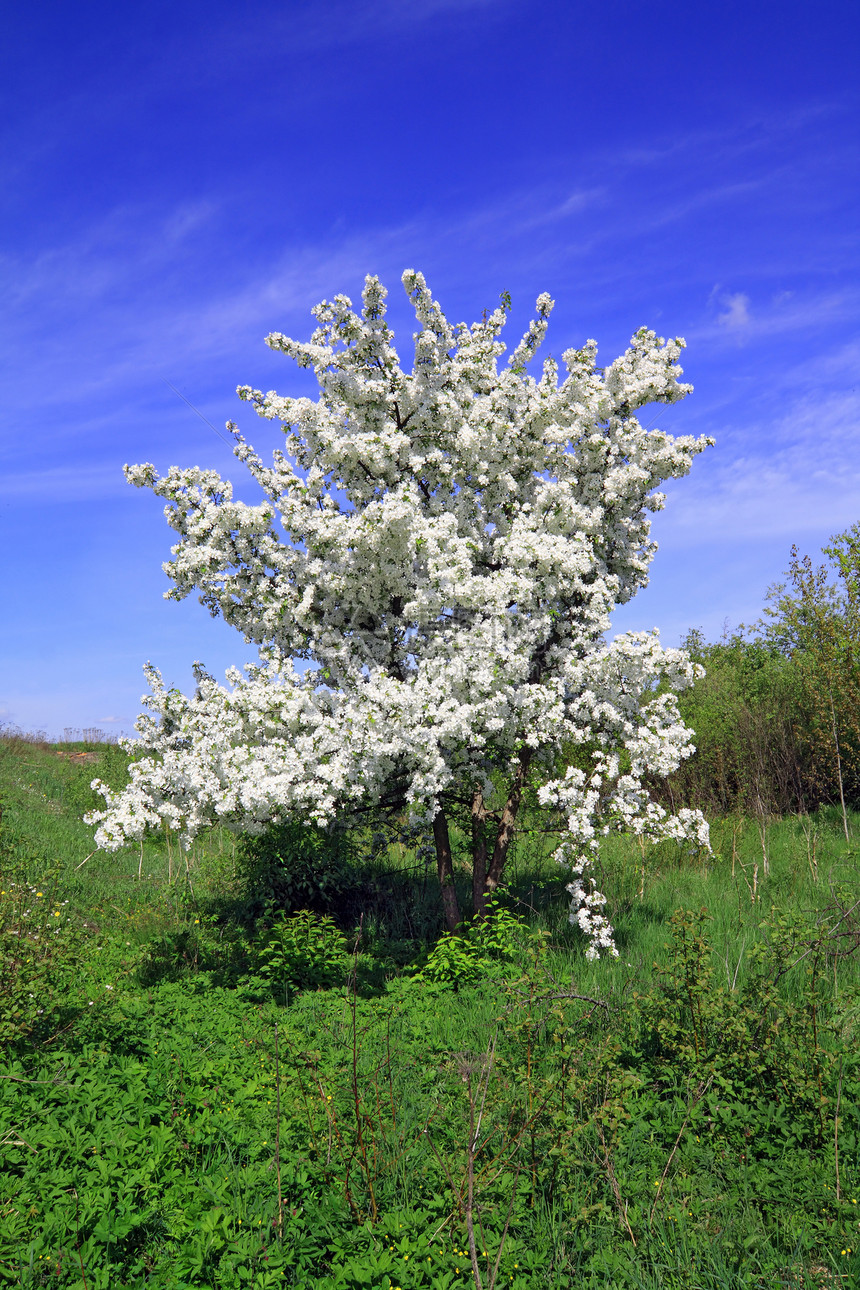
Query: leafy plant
x=304 y=951
x=293 y=866
x=483 y=949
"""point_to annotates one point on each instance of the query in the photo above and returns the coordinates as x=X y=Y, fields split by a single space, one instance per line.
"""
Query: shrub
x=307 y=951
x=295 y=866
x=483 y=949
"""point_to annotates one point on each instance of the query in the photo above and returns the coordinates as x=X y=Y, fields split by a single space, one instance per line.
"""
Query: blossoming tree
x=439 y=552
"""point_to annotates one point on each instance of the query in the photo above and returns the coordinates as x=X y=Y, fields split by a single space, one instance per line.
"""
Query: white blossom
x=428 y=582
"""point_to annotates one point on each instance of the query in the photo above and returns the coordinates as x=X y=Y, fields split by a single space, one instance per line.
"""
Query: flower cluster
x=428 y=582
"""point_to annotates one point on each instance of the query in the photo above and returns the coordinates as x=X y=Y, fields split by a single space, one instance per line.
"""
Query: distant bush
x=14 y=738
x=777 y=715
x=753 y=747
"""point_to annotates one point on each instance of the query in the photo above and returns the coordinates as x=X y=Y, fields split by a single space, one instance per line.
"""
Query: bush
x=483 y=949
x=751 y=731
x=295 y=866
x=307 y=951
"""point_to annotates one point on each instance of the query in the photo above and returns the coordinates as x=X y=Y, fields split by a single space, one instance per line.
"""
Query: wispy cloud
x=736 y=315
x=798 y=475
x=338 y=22
x=114 y=326
x=739 y=316
x=70 y=483
x=94 y=325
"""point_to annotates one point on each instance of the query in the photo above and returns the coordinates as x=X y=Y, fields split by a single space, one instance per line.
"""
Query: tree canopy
x=428 y=582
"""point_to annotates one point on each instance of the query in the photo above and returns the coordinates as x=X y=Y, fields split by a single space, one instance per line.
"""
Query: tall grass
x=200 y=1089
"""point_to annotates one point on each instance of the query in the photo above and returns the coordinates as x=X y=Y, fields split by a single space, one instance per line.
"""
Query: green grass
x=198 y=1091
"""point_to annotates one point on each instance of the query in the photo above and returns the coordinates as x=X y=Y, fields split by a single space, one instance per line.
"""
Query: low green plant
x=485 y=948
x=40 y=949
x=303 y=951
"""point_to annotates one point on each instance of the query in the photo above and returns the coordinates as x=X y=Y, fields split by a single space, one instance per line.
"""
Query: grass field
x=198 y=1090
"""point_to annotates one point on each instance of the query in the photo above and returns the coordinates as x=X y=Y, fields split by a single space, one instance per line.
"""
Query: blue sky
x=180 y=179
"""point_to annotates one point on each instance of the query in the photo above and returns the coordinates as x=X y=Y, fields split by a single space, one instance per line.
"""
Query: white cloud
x=786 y=312
x=736 y=315
x=825 y=370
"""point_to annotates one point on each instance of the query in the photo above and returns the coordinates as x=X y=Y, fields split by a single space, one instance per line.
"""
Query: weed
x=304 y=951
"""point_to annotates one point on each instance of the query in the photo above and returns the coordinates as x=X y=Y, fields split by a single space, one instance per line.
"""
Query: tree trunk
x=479 y=855
x=507 y=822
x=445 y=869
x=486 y=877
